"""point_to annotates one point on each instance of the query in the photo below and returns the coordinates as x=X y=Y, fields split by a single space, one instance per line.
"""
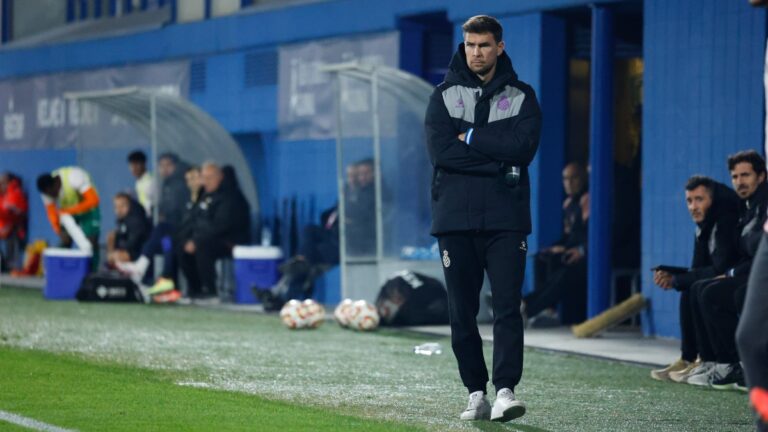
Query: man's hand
x=556 y=249
x=462 y=137
x=663 y=279
x=189 y=247
x=572 y=255
x=758 y=2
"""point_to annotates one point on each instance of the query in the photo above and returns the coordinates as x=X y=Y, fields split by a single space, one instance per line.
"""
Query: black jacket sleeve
x=751 y=241
x=513 y=140
x=445 y=148
x=722 y=257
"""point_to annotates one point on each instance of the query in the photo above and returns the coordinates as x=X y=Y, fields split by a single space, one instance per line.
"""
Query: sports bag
x=109 y=287
x=410 y=299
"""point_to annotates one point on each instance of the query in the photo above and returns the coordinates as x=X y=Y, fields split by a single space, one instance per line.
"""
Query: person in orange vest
x=14 y=209
x=69 y=190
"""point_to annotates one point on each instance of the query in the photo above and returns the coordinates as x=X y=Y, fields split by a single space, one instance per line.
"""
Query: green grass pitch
x=135 y=367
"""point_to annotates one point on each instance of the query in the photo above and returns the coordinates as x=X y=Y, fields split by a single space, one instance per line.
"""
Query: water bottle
x=266 y=236
x=428 y=349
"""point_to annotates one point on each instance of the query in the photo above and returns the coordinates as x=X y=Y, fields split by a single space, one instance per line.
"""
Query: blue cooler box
x=255 y=266
x=65 y=270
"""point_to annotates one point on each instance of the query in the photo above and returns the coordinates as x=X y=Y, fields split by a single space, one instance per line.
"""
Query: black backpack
x=410 y=299
x=109 y=287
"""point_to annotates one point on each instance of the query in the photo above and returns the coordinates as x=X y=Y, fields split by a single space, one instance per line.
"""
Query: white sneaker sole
x=512 y=412
x=482 y=415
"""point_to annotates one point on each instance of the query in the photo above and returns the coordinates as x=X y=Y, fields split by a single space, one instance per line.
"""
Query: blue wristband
x=468 y=137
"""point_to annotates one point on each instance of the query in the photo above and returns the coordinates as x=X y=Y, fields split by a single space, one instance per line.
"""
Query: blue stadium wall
x=703 y=100
x=703 y=97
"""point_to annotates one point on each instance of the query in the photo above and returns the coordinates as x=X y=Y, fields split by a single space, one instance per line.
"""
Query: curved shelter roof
x=177 y=126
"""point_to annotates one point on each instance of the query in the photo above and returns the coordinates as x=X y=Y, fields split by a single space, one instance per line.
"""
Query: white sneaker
x=506 y=407
x=130 y=269
x=703 y=368
x=716 y=372
x=478 y=407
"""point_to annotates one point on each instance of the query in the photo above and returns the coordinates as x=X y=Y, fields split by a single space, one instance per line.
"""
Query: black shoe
x=269 y=301
x=734 y=380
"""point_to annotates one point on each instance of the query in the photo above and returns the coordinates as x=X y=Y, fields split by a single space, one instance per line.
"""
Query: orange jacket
x=13 y=210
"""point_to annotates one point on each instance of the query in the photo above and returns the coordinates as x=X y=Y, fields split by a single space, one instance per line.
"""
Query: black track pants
x=703 y=342
x=720 y=304
x=502 y=255
x=688 y=342
x=752 y=333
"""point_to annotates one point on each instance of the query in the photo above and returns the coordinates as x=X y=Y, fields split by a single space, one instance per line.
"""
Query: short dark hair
x=750 y=156
x=700 y=180
x=124 y=195
x=479 y=24
x=170 y=156
x=137 y=156
x=366 y=161
x=45 y=182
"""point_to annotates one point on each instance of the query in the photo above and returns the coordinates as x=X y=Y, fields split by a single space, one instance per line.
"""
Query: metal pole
x=153 y=141
x=342 y=196
x=599 y=264
x=377 y=165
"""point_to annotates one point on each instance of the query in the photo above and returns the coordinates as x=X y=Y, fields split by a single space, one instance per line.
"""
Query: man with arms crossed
x=483 y=128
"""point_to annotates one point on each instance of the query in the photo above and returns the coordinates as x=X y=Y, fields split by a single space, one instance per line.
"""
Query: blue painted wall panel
x=703 y=101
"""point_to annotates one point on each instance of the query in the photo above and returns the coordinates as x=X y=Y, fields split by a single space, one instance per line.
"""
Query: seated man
x=14 y=209
x=69 y=190
x=174 y=196
x=319 y=244
x=562 y=267
x=216 y=228
x=132 y=230
x=714 y=210
x=722 y=299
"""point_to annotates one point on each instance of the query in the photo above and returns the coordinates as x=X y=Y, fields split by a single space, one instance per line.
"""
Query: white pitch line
x=30 y=423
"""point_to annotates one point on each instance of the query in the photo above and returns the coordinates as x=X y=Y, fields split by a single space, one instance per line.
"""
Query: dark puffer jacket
x=468 y=187
x=715 y=247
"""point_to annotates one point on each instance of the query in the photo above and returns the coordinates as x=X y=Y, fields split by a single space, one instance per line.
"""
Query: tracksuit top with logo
x=502 y=122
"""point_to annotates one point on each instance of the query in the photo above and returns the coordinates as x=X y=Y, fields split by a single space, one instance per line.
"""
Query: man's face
x=482 y=50
x=193 y=180
x=211 y=178
x=364 y=175
x=137 y=168
x=745 y=180
x=352 y=175
x=572 y=180
x=699 y=201
x=166 y=167
x=122 y=207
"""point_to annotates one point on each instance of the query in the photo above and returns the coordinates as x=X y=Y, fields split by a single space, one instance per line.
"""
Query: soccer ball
x=363 y=316
x=294 y=315
x=315 y=313
x=341 y=313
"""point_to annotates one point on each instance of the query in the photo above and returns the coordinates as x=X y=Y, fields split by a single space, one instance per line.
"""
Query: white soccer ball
x=294 y=315
x=341 y=313
x=315 y=313
x=363 y=316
